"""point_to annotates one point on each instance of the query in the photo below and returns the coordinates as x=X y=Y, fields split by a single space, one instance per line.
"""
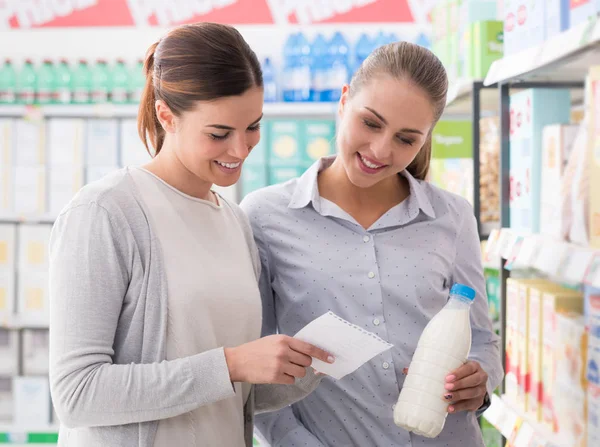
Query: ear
x=343 y=99
x=165 y=116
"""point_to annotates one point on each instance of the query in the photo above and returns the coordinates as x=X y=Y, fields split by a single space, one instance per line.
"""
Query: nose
x=241 y=148
x=381 y=149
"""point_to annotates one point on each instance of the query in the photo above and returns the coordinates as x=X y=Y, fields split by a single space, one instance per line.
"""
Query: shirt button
x=371 y=275
x=366 y=238
x=376 y=322
x=386 y=365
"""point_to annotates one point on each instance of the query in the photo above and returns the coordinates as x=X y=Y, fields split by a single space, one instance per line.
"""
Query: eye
x=254 y=128
x=371 y=124
x=219 y=137
x=405 y=140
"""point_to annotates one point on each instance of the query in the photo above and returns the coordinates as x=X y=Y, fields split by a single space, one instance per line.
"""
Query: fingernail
x=448 y=397
x=450 y=378
x=451 y=409
x=330 y=359
x=449 y=386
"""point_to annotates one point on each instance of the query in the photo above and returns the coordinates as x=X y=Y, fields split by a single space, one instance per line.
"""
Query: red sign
x=108 y=13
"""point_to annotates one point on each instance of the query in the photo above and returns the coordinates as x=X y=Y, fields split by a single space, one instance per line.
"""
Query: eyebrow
x=224 y=127
x=384 y=121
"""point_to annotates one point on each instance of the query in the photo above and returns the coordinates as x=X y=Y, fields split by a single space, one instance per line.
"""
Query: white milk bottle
x=444 y=346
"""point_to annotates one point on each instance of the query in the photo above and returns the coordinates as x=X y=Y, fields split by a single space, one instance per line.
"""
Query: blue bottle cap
x=462 y=290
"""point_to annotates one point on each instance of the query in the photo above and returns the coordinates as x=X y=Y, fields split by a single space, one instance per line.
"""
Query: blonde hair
x=404 y=60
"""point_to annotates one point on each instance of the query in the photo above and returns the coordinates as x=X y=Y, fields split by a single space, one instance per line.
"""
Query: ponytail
x=419 y=168
x=149 y=128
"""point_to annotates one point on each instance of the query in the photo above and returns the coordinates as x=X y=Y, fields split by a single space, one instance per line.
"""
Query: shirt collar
x=307 y=189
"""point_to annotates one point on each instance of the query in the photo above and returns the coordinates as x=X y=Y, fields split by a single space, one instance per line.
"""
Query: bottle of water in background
x=319 y=68
x=100 y=82
x=392 y=38
x=269 y=81
x=63 y=90
x=82 y=83
x=289 y=67
x=339 y=57
x=46 y=80
x=380 y=39
x=363 y=48
x=8 y=83
x=137 y=82
x=26 y=83
x=423 y=41
x=119 y=82
x=303 y=81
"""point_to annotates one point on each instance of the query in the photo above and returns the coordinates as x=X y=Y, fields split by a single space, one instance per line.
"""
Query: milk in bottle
x=444 y=346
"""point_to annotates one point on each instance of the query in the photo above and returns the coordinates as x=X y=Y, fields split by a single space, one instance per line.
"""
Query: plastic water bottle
x=289 y=67
x=444 y=346
x=423 y=41
x=8 y=83
x=339 y=57
x=137 y=82
x=62 y=84
x=27 y=83
x=46 y=79
x=363 y=48
x=82 y=83
x=302 y=84
x=318 y=69
x=119 y=82
x=269 y=81
x=100 y=82
x=380 y=40
x=392 y=38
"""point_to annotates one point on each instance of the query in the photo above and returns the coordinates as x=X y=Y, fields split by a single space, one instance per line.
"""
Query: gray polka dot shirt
x=390 y=279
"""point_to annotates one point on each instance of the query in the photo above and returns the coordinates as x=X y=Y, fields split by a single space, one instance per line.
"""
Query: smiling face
x=383 y=127
x=214 y=138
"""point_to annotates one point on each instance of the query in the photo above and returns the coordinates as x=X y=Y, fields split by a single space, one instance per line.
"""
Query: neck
x=167 y=166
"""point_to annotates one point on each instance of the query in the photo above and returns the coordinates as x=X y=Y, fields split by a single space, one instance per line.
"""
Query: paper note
x=349 y=344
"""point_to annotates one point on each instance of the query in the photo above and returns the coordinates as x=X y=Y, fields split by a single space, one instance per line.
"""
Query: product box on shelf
x=530 y=111
x=486 y=47
x=558 y=140
x=32 y=405
x=571 y=414
x=557 y=17
x=33 y=247
x=7 y=295
x=285 y=137
x=582 y=10
x=452 y=157
x=492 y=288
x=133 y=151
x=512 y=347
x=591 y=306
x=594 y=155
x=6 y=400
x=575 y=195
x=29 y=196
x=593 y=367
x=63 y=183
x=65 y=142
x=6 y=142
x=102 y=142
x=29 y=141
x=554 y=303
x=471 y=11
x=254 y=176
x=35 y=352
x=8 y=237
x=33 y=297
x=318 y=136
x=281 y=174
x=9 y=353
x=7 y=190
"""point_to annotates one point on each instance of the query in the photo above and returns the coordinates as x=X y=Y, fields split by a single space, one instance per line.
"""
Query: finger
x=405 y=371
x=294 y=370
x=465 y=405
x=300 y=359
x=287 y=380
x=313 y=351
x=465 y=394
x=472 y=381
x=465 y=370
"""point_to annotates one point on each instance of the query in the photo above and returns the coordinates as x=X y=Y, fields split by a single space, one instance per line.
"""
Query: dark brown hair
x=404 y=60
x=198 y=62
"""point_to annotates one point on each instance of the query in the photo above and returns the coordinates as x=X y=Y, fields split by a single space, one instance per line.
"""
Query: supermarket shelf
x=520 y=429
x=563 y=58
x=131 y=110
x=459 y=100
x=30 y=436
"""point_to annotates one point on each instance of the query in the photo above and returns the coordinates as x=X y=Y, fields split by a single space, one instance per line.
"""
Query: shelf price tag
x=528 y=252
x=504 y=241
x=514 y=253
x=492 y=243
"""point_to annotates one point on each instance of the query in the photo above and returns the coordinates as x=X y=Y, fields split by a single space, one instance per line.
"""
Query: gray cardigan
x=109 y=379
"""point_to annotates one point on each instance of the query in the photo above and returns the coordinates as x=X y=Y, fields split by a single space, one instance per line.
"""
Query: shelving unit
x=28 y=436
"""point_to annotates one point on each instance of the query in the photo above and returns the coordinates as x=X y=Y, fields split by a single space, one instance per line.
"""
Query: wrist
x=231 y=359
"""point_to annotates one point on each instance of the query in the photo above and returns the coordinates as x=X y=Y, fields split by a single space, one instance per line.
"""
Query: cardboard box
x=554 y=303
x=9 y=353
x=65 y=142
x=530 y=112
x=29 y=139
x=102 y=142
x=593 y=368
x=6 y=400
x=471 y=11
x=30 y=190
x=557 y=17
x=513 y=42
x=594 y=156
x=133 y=151
x=486 y=47
x=34 y=247
x=318 y=136
x=285 y=137
x=36 y=353
x=254 y=177
x=557 y=143
x=8 y=237
x=33 y=305
x=512 y=347
x=581 y=11
x=571 y=414
x=7 y=295
x=32 y=401
x=63 y=183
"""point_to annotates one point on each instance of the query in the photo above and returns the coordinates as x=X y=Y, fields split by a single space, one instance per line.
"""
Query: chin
x=225 y=182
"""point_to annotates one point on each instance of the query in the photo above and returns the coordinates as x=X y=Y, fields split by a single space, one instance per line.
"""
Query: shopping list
x=351 y=345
